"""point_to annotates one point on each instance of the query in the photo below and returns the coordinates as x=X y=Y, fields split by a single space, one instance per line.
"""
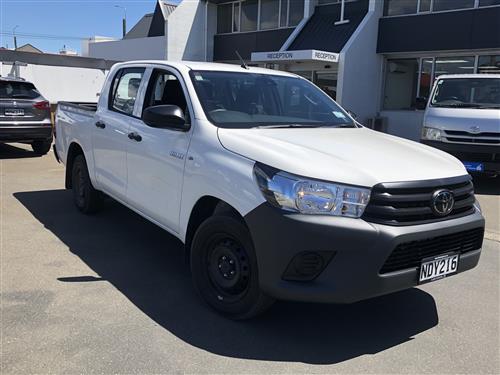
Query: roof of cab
x=211 y=66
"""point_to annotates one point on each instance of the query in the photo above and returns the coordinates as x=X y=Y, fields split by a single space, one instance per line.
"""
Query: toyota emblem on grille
x=442 y=202
x=475 y=129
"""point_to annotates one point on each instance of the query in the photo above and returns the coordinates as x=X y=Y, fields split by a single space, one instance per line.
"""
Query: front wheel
x=224 y=268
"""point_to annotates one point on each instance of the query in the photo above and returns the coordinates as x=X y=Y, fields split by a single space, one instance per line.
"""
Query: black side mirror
x=165 y=116
x=421 y=103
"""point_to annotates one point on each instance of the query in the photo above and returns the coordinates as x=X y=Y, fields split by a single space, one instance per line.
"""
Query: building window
x=249 y=10
x=399 y=7
x=401 y=80
x=269 y=14
x=489 y=64
x=296 y=12
x=440 y=5
x=236 y=17
x=408 y=82
x=255 y=15
x=485 y=3
x=224 y=18
x=453 y=65
x=403 y=7
x=283 y=13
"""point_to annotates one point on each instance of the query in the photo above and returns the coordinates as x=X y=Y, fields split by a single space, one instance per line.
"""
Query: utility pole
x=15 y=38
x=124 y=19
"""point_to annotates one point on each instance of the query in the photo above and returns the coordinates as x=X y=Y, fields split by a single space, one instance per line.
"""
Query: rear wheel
x=41 y=147
x=87 y=199
x=224 y=268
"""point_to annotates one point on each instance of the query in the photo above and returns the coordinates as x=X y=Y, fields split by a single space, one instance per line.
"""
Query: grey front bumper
x=358 y=251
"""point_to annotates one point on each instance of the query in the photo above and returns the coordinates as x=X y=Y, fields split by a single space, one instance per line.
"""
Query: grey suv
x=24 y=115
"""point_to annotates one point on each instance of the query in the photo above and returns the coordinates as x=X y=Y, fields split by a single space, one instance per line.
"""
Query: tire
x=87 y=199
x=224 y=268
x=41 y=147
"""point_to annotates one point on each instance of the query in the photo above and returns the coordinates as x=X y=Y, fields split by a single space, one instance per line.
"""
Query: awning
x=293 y=56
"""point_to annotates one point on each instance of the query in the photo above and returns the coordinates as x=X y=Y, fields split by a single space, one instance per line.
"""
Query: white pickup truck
x=276 y=192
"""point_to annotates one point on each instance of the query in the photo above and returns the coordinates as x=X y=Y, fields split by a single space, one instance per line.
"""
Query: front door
x=156 y=157
x=110 y=132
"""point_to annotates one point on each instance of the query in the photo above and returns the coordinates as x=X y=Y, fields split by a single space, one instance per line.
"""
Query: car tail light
x=42 y=105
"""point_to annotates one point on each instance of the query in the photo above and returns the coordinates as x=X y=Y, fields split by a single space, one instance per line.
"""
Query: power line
x=42 y=36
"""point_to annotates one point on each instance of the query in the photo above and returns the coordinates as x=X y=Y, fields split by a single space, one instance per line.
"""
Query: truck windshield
x=17 y=90
x=481 y=93
x=249 y=100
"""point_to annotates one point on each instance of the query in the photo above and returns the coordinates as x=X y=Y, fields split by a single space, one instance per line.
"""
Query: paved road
x=112 y=294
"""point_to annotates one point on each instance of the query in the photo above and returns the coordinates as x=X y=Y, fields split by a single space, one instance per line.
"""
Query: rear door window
x=125 y=89
x=18 y=90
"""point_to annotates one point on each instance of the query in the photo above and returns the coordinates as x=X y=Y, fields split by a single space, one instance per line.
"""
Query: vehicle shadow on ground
x=8 y=151
x=486 y=185
x=148 y=266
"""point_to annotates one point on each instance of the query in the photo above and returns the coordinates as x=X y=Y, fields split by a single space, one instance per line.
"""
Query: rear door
x=110 y=131
x=155 y=159
x=20 y=102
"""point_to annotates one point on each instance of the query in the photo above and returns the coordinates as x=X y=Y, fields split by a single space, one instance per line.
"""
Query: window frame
x=258 y=28
x=421 y=58
x=151 y=71
x=476 y=5
x=114 y=88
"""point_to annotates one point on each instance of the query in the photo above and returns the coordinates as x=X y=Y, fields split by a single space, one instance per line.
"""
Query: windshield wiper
x=282 y=126
x=323 y=125
x=457 y=105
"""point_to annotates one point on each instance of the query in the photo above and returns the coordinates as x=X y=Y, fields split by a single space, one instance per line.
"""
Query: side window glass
x=165 y=88
x=125 y=89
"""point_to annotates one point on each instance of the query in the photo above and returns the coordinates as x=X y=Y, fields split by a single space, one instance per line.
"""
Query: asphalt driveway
x=111 y=293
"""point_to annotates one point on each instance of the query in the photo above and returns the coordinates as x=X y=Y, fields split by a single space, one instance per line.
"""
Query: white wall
x=360 y=68
x=406 y=124
x=62 y=83
x=130 y=49
x=185 y=31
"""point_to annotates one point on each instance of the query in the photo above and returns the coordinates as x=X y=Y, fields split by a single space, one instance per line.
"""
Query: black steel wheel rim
x=228 y=268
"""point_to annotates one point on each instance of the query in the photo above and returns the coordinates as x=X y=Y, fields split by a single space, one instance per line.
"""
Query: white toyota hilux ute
x=276 y=192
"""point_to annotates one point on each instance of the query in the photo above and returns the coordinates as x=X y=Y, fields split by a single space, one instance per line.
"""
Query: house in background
x=145 y=40
x=29 y=48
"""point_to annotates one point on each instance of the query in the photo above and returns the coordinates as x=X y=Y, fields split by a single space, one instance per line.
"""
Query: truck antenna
x=243 y=63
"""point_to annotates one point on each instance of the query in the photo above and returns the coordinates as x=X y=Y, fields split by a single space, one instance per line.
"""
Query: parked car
x=463 y=118
x=24 y=115
x=276 y=192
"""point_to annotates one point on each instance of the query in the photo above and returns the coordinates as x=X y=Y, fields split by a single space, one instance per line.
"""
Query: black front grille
x=410 y=254
x=409 y=203
x=476 y=156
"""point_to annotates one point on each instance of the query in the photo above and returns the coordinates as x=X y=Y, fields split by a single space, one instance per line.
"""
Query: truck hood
x=463 y=119
x=356 y=156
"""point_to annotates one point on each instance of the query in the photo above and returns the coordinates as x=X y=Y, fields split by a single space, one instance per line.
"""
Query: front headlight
x=298 y=194
x=431 y=134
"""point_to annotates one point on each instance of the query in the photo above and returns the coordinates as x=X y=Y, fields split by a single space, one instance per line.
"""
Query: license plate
x=474 y=166
x=438 y=267
x=14 y=112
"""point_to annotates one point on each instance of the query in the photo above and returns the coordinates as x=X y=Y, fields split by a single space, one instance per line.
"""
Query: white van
x=463 y=118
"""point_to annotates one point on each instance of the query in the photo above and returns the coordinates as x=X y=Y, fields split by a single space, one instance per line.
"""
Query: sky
x=55 y=23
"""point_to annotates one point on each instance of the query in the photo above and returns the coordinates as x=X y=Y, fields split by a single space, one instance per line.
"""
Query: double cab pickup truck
x=275 y=190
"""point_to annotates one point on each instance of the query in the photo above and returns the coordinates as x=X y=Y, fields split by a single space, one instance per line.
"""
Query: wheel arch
x=204 y=208
x=74 y=150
